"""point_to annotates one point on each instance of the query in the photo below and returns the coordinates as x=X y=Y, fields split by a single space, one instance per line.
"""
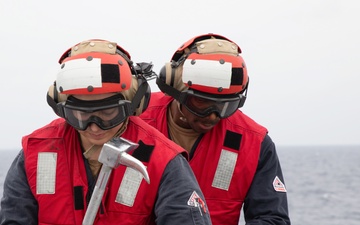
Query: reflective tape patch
x=225 y=170
x=129 y=187
x=46 y=173
x=79 y=73
x=207 y=73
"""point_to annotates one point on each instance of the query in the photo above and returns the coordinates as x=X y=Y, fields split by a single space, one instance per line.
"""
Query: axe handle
x=97 y=195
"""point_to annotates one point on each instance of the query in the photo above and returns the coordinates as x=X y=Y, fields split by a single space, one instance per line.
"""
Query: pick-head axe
x=113 y=154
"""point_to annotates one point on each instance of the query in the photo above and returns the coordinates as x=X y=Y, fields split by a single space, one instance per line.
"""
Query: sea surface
x=323 y=183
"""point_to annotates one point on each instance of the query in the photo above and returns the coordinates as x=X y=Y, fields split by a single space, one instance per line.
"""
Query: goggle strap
x=173 y=92
x=242 y=101
x=53 y=104
x=244 y=94
x=143 y=86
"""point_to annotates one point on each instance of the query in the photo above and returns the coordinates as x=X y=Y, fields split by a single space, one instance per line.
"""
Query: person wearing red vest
x=232 y=156
x=98 y=94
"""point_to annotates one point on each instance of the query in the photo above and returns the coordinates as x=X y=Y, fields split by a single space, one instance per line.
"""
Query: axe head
x=114 y=153
x=112 y=150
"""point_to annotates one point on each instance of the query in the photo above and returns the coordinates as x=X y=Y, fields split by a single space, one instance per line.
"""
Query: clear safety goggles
x=202 y=105
x=105 y=113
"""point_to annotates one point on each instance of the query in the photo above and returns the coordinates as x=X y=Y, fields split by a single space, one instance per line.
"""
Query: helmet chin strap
x=182 y=117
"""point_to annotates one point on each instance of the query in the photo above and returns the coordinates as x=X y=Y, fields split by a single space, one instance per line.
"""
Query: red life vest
x=61 y=142
x=224 y=161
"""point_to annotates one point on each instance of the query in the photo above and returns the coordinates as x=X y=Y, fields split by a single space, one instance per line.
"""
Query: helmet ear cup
x=171 y=75
x=138 y=87
x=144 y=103
x=167 y=74
x=53 y=97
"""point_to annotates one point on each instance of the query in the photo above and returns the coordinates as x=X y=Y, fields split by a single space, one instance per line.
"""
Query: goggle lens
x=105 y=114
x=203 y=106
x=105 y=119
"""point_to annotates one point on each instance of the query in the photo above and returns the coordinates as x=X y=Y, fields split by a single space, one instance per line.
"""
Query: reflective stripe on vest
x=225 y=170
x=46 y=173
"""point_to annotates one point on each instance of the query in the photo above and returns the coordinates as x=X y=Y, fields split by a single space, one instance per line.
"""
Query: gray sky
x=302 y=57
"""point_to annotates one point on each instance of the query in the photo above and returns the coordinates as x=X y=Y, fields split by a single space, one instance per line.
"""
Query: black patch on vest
x=110 y=73
x=143 y=152
x=78 y=198
x=232 y=140
x=237 y=76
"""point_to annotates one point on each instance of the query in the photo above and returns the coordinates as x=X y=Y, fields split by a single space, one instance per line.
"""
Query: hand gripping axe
x=113 y=153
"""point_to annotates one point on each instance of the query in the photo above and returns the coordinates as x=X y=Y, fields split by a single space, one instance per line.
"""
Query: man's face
x=200 y=124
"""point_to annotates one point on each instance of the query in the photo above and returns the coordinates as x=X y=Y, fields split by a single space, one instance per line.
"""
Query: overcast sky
x=302 y=57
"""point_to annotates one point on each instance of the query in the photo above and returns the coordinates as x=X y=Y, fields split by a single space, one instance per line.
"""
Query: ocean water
x=323 y=183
